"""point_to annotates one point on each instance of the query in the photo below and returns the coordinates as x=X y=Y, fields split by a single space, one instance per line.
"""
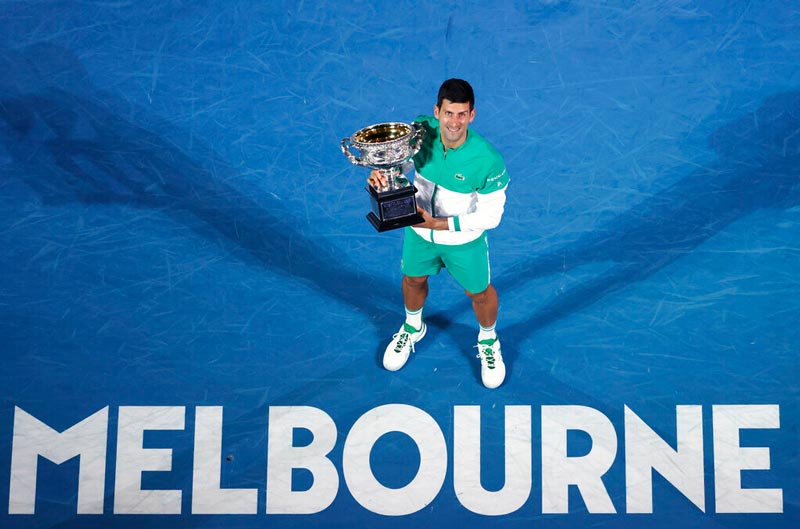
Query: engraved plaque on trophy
x=385 y=147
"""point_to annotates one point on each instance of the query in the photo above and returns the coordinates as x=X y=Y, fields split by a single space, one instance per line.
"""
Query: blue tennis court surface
x=193 y=307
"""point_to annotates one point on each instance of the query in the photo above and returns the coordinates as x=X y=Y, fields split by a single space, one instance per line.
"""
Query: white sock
x=414 y=318
x=487 y=333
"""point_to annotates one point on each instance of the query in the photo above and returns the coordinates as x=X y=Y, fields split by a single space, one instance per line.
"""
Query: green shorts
x=468 y=263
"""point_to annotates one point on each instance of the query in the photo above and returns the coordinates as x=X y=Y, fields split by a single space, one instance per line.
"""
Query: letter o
x=361 y=481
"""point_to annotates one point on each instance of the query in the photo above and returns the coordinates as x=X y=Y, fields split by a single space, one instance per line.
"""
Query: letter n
x=646 y=452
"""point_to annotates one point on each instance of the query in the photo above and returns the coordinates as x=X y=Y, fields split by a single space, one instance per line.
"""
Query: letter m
x=33 y=438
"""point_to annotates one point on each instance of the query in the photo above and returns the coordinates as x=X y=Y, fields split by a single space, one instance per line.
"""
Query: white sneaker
x=493 y=370
x=401 y=346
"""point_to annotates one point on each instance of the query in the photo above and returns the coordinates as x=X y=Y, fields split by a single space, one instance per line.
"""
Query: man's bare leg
x=485 y=304
x=415 y=292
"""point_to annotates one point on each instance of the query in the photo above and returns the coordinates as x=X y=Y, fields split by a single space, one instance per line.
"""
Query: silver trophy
x=386 y=146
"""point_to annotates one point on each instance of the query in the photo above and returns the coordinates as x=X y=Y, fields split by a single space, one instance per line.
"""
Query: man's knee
x=416 y=282
x=483 y=296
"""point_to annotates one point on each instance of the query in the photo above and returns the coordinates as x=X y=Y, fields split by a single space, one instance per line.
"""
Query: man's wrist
x=441 y=223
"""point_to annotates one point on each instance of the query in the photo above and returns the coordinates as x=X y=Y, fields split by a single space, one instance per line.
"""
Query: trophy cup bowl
x=385 y=147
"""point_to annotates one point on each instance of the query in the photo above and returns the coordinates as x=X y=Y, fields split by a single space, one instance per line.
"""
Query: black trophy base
x=393 y=209
x=386 y=225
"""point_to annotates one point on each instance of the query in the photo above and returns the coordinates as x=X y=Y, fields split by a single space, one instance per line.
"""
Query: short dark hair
x=456 y=91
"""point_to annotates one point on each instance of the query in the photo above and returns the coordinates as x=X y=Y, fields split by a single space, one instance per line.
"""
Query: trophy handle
x=346 y=150
x=419 y=134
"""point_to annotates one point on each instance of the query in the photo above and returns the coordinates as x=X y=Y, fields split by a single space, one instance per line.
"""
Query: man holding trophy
x=460 y=182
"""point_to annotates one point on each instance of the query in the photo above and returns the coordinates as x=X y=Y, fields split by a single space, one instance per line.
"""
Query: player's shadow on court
x=758 y=167
x=73 y=148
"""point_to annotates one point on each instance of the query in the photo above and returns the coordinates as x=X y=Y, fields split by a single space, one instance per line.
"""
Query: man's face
x=454 y=119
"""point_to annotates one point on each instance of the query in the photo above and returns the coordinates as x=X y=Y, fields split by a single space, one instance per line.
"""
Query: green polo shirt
x=474 y=166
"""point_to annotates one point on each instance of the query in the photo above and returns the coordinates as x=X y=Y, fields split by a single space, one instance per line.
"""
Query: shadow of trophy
x=385 y=147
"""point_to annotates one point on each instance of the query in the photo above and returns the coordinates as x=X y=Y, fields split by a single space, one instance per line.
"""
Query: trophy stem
x=392 y=175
